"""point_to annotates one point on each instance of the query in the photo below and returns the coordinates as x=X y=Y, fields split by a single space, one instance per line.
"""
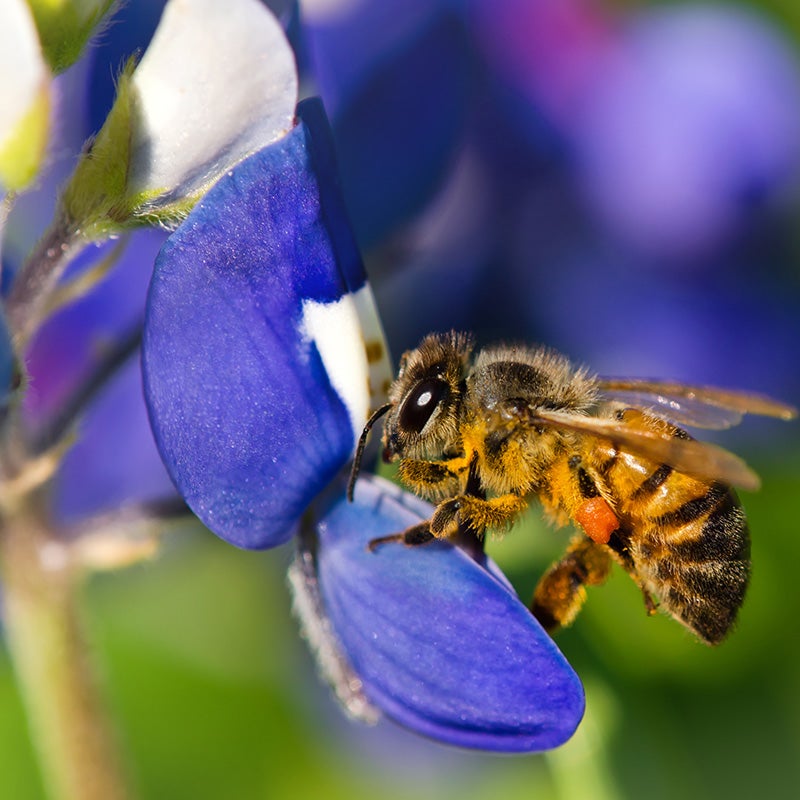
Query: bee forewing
x=699 y=406
x=692 y=413
x=685 y=455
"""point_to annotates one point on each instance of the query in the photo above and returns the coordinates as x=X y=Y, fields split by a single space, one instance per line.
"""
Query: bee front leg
x=434 y=479
x=412 y=537
x=429 y=479
x=561 y=592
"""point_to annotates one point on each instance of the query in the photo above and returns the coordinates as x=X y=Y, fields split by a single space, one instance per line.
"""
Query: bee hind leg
x=619 y=544
x=561 y=592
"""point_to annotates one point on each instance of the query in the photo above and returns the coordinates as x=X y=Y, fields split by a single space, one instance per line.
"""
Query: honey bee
x=481 y=436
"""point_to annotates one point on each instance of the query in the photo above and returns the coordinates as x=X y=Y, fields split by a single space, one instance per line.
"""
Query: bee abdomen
x=697 y=561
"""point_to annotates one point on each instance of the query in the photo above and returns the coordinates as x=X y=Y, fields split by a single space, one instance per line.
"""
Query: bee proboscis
x=481 y=436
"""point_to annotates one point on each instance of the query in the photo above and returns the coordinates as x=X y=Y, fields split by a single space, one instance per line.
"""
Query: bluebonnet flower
x=79 y=338
x=266 y=271
x=256 y=364
x=65 y=508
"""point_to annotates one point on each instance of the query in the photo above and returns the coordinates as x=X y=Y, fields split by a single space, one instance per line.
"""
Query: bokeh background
x=619 y=180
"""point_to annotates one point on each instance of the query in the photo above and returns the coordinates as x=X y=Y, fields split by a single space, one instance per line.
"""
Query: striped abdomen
x=683 y=539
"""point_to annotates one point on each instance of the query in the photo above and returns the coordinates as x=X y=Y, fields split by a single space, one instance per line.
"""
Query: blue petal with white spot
x=251 y=414
x=440 y=644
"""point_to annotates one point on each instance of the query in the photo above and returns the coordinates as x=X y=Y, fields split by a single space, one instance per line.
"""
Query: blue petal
x=441 y=645
x=244 y=412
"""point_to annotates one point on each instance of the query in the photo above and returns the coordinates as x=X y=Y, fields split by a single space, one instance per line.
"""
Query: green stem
x=30 y=293
x=75 y=741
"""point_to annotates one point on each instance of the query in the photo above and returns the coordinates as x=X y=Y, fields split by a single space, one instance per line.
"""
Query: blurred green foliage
x=216 y=696
x=786 y=12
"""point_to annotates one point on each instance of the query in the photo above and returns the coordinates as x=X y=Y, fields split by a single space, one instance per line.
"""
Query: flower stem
x=72 y=733
x=30 y=293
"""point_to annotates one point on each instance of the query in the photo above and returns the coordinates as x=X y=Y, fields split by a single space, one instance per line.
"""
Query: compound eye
x=421 y=403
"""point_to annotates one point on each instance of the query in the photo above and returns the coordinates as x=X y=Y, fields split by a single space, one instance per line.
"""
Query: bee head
x=425 y=399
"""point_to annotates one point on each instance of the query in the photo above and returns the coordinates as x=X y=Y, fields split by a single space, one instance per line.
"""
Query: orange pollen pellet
x=597 y=519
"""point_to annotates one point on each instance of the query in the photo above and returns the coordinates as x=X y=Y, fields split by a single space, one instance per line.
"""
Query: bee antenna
x=362 y=443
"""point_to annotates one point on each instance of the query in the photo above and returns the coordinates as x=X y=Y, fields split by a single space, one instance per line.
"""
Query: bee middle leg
x=476 y=513
x=561 y=592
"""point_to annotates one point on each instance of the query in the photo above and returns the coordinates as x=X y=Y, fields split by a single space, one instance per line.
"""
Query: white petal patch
x=217 y=83
x=349 y=338
x=21 y=65
x=374 y=340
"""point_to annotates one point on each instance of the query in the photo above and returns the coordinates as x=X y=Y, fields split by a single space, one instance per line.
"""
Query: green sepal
x=65 y=28
x=166 y=215
x=94 y=200
x=22 y=152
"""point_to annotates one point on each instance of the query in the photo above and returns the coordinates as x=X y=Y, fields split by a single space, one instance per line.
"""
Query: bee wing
x=698 y=406
x=702 y=459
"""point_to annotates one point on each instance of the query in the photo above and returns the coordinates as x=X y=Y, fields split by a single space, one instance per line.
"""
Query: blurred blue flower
x=7 y=366
x=691 y=130
x=395 y=78
x=113 y=462
x=624 y=186
x=255 y=381
x=678 y=125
